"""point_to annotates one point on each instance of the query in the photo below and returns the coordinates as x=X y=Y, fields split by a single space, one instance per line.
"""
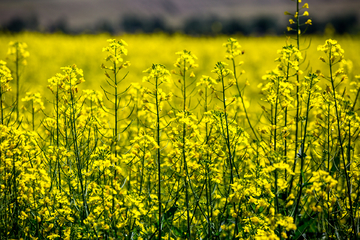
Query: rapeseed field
x=175 y=137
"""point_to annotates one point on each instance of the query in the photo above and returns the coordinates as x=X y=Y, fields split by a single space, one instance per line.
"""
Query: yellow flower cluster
x=17 y=52
x=35 y=99
x=185 y=62
x=297 y=17
x=115 y=50
x=5 y=77
x=232 y=48
x=333 y=50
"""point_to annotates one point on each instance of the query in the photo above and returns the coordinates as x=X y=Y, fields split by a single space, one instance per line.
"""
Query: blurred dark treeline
x=260 y=25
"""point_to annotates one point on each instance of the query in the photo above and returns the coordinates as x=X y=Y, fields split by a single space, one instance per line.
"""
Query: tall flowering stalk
x=5 y=78
x=230 y=134
x=310 y=96
x=207 y=94
x=68 y=108
x=17 y=53
x=115 y=53
x=299 y=25
x=279 y=89
x=157 y=76
x=185 y=63
x=222 y=73
x=232 y=53
x=334 y=55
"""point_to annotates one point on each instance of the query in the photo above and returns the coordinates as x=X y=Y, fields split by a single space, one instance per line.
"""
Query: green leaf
x=177 y=232
x=336 y=165
x=303 y=225
x=170 y=213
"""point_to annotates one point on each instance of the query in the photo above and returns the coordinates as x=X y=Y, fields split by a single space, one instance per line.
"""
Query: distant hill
x=170 y=15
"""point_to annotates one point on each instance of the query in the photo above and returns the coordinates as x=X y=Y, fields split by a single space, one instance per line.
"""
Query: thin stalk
x=33 y=115
x=208 y=183
x=297 y=88
x=302 y=155
x=158 y=153
x=184 y=156
x=57 y=135
x=143 y=157
x=328 y=161
x=227 y=137
x=116 y=108
x=275 y=133
x=275 y=171
x=297 y=98
x=17 y=82
x=77 y=152
x=115 y=130
x=285 y=124
x=1 y=106
x=15 y=200
x=285 y=141
x=348 y=184
x=356 y=98
x=242 y=102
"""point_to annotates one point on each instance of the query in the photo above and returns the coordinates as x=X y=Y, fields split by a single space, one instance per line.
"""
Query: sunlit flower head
x=17 y=52
x=186 y=60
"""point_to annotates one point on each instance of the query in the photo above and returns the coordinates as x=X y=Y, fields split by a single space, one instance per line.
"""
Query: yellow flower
x=232 y=48
x=305 y=5
x=17 y=52
x=309 y=22
x=290 y=203
x=35 y=99
x=306 y=13
x=185 y=61
x=291 y=21
x=5 y=77
x=255 y=220
x=157 y=71
x=115 y=50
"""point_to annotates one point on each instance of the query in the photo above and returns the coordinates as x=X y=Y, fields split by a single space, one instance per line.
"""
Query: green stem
x=275 y=171
x=57 y=136
x=227 y=137
x=297 y=98
x=243 y=102
x=275 y=133
x=328 y=161
x=158 y=153
x=77 y=152
x=297 y=87
x=184 y=155
x=286 y=122
x=208 y=183
x=1 y=106
x=348 y=184
x=17 y=82
x=302 y=155
x=33 y=115
x=116 y=108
